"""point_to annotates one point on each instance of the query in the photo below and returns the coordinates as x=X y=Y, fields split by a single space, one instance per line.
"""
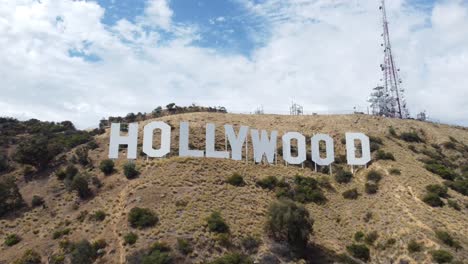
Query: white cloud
x=323 y=54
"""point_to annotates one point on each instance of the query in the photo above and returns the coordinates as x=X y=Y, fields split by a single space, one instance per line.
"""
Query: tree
x=290 y=222
x=10 y=197
x=36 y=151
x=83 y=253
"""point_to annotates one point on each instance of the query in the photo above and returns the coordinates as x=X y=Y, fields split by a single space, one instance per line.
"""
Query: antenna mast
x=392 y=102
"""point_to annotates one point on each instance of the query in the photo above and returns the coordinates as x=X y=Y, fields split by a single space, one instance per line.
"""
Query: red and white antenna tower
x=392 y=103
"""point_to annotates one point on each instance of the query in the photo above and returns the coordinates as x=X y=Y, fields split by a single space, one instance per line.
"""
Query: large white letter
x=264 y=145
x=130 y=140
x=210 y=143
x=184 y=150
x=236 y=143
x=301 y=148
x=148 y=135
x=330 y=152
x=351 y=149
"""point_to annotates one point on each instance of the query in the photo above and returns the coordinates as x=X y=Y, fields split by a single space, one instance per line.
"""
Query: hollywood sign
x=264 y=145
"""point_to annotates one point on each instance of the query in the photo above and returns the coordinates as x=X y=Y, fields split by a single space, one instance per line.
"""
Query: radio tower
x=389 y=100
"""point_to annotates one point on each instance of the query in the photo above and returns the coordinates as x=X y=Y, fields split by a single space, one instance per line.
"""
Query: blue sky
x=84 y=60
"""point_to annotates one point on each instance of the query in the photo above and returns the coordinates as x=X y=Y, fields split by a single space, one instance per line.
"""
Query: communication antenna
x=259 y=110
x=388 y=99
x=296 y=109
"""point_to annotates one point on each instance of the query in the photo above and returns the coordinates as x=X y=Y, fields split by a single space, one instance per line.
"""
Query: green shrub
x=288 y=221
x=29 y=257
x=376 y=140
x=4 y=165
x=447 y=239
x=433 y=200
x=411 y=137
x=413 y=148
x=269 y=182
x=449 y=145
x=359 y=251
x=130 y=170
x=359 y=236
x=10 y=197
x=374 y=146
x=441 y=256
x=345 y=259
x=233 y=258
x=382 y=155
x=99 y=244
x=57 y=259
x=80 y=185
x=159 y=254
x=306 y=190
x=371 y=188
x=37 y=151
x=224 y=240
x=82 y=155
x=371 y=237
x=11 y=240
x=440 y=190
x=68 y=174
x=37 y=201
x=343 y=176
x=98 y=216
x=142 y=218
x=395 y=171
x=236 y=180
x=459 y=185
x=107 y=166
x=216 y=223
x=351 y=194
x=374 y=176
x=92 y=145
x=184 y=247
x=453 y=204
x=60 y=233
x=130 y=238
x=392 y=131
x=414 y=246
x=83 y=253
x=250 y=244
x=442 y=171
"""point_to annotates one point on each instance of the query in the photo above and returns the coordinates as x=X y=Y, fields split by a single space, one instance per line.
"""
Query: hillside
x=183 y=192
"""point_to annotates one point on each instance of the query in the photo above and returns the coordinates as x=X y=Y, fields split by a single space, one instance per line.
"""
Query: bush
x=288 y=221
x=130 y=170
x=82 y=155
x=306 y=190
x=37 y=201
x=440 y=190
x=69 y=173
x=371 y=237
x=215 y=223
x=414 y=246
x=359 y=236
x=236 y=180
x=395 y=171
x=250 y=244
x=184 y=247
x=371 y=188
x=11 y=240
x=351 y=194
x=433 y=200
x=57 y=259
x=382 y=155
x=359 y=251
x=449 y=145
x=447 y=239
x=411 y=137
x=374 y=176
x=37 y=151
x=269 y=182
x=130 y=238
x=159 y=254
x=98 y=216
x=453 y=204
x=459 y=185
x=343 y=176
x=60 y=233
x=142 y=218
x=80 y=185
x=4 y=165
x=107 y=166
x=392 y=131
x=233 y=258
x=29 y=257
x=441 y=256
x=83 y=253
x=10 y=197
x=442 y=171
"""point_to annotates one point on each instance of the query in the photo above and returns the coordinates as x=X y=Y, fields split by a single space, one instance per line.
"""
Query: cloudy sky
x=83 y=60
